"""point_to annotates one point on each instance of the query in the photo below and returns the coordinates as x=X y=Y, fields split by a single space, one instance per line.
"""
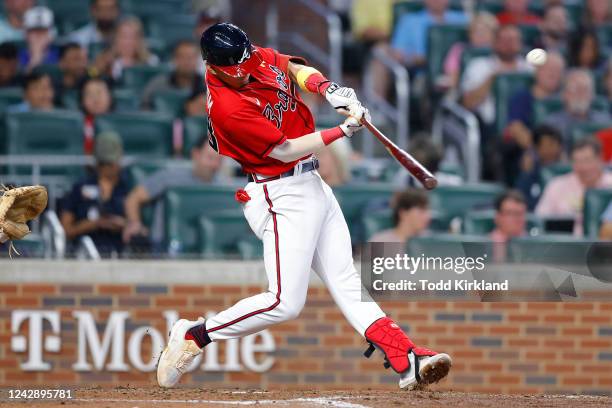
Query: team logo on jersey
x=280 y=77
x=275 y=113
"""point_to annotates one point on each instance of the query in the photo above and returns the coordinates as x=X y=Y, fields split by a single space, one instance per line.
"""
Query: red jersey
x=246 y=124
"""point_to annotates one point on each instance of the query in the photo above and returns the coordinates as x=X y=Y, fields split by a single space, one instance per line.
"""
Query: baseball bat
x=410 y=163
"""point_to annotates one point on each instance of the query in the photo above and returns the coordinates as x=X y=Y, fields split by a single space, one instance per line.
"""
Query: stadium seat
x=543 y=108
x=530 y=34
x=377 y=221
x=31 y=246
x=171 y=28
x=587 y=129
x=355 y=200
x=221 y=233
x=483 y=222
x=455 y=201
x=69 y=14
x=171 y=102
x=58 y=132
x=70 y=99
x=143 y=133
x=440 y=38
x=451 y=245
x=183 y=206
x=250 y=247
x=194 y=127
x=138 y=77
x=595 y=203
x=10 y=96
x=153 y=9
x=504 y=87
x=549 y=172
x=125 y=99
x=559 y=250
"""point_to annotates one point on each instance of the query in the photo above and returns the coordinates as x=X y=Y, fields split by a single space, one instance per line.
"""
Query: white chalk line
x=329 y=402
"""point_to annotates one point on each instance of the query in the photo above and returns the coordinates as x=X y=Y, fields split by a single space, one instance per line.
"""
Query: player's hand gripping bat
x=410 y=163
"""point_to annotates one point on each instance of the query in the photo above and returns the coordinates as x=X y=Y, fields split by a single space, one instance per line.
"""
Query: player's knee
x=290 y=311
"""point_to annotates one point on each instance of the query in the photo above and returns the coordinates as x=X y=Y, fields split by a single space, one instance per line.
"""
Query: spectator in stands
x=184 y=76
x=597 y=13
x=554 y=29
x=481 y=34
x=510 y=216
x=371 y=22
x=129 y=48
x=429 y=154
x=585 y=52
x=105 y=15
x=409 y=42
x=547 y=150
x=578 y=95
x=95 y=205
x=480 y=73
x=38 y=22
x=11 y=26
x=334 y=163
x=605 y=232
x=9 y=66
x=517 y=12
x=95 y=99
x=411 y=217
x=564 y=195
x=37 y=94
x=73 y=66
x=195 y=105
x=206 y=164
x=517 y=137
x=207 y=17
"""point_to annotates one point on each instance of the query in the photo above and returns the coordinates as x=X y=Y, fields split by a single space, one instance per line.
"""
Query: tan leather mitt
x=17 y=207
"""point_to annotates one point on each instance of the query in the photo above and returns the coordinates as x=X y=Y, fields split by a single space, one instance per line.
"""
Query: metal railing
x=455 y=126
x=331 y=58
x=398 y=114
x=54 y=236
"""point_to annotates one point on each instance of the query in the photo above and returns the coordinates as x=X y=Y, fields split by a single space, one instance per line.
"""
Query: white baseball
x=536 y=57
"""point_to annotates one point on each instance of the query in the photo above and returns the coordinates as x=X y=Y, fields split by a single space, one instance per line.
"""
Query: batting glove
x=352 y=124
x=341 y=98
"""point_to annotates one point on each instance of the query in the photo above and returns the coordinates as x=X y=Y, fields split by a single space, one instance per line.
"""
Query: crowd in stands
x=85 y=68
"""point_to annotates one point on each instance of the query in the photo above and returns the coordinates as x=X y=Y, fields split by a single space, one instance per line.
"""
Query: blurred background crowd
x=103 y=102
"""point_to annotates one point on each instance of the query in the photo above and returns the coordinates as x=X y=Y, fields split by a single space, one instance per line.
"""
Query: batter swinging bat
x=410 y=163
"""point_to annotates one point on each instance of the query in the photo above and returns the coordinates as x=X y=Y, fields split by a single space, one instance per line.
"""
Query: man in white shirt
x=480 y=72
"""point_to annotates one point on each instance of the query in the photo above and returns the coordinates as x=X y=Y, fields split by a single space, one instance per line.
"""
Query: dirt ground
x=129 y=397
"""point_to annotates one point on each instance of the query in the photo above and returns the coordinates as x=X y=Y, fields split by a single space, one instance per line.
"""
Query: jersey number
x=212 y=139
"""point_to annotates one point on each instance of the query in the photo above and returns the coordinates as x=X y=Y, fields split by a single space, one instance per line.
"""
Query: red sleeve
x=271 y=56
x=250 y=132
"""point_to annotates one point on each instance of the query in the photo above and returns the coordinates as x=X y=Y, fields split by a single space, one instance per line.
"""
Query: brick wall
x=497 y=347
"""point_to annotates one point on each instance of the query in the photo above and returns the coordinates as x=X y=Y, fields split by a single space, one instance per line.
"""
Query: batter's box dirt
x=128 y=397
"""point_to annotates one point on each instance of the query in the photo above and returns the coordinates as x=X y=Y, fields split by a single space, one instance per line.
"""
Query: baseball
x=536 y=57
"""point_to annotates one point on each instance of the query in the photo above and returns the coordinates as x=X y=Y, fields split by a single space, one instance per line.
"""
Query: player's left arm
x=343 y=99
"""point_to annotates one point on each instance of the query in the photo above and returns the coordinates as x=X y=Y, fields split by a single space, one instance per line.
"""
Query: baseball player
x=256 y=117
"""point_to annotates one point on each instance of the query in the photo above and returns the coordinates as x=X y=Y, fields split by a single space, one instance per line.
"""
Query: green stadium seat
x=125 y=100
x=58 y=132
x=451 y=245
x=154 y=9
x=10 y=96
x=172 y=27
x=143 y=133
x=440 y=38
x=604 y=33
x=551 y=249
x=183 y=207
x=354 y=199
x=574 y=12
x=504 y=87
x=456 y=201
x=595 y=203
x=171 y=102
x=483 y=222
x=543 y=108
x=587 y=129
x=139 y=76
x=377 y=221
x=69 y=14
x=194 y=127
x=530 y=34
x=549 y=172
x=221 y=233
x=94 y=49
x=70 y=99
x=250 y=248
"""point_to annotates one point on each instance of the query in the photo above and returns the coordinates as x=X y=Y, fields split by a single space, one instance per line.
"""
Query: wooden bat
x=410 y=163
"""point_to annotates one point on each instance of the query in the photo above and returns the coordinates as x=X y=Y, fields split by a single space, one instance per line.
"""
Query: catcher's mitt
x=17 y=207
